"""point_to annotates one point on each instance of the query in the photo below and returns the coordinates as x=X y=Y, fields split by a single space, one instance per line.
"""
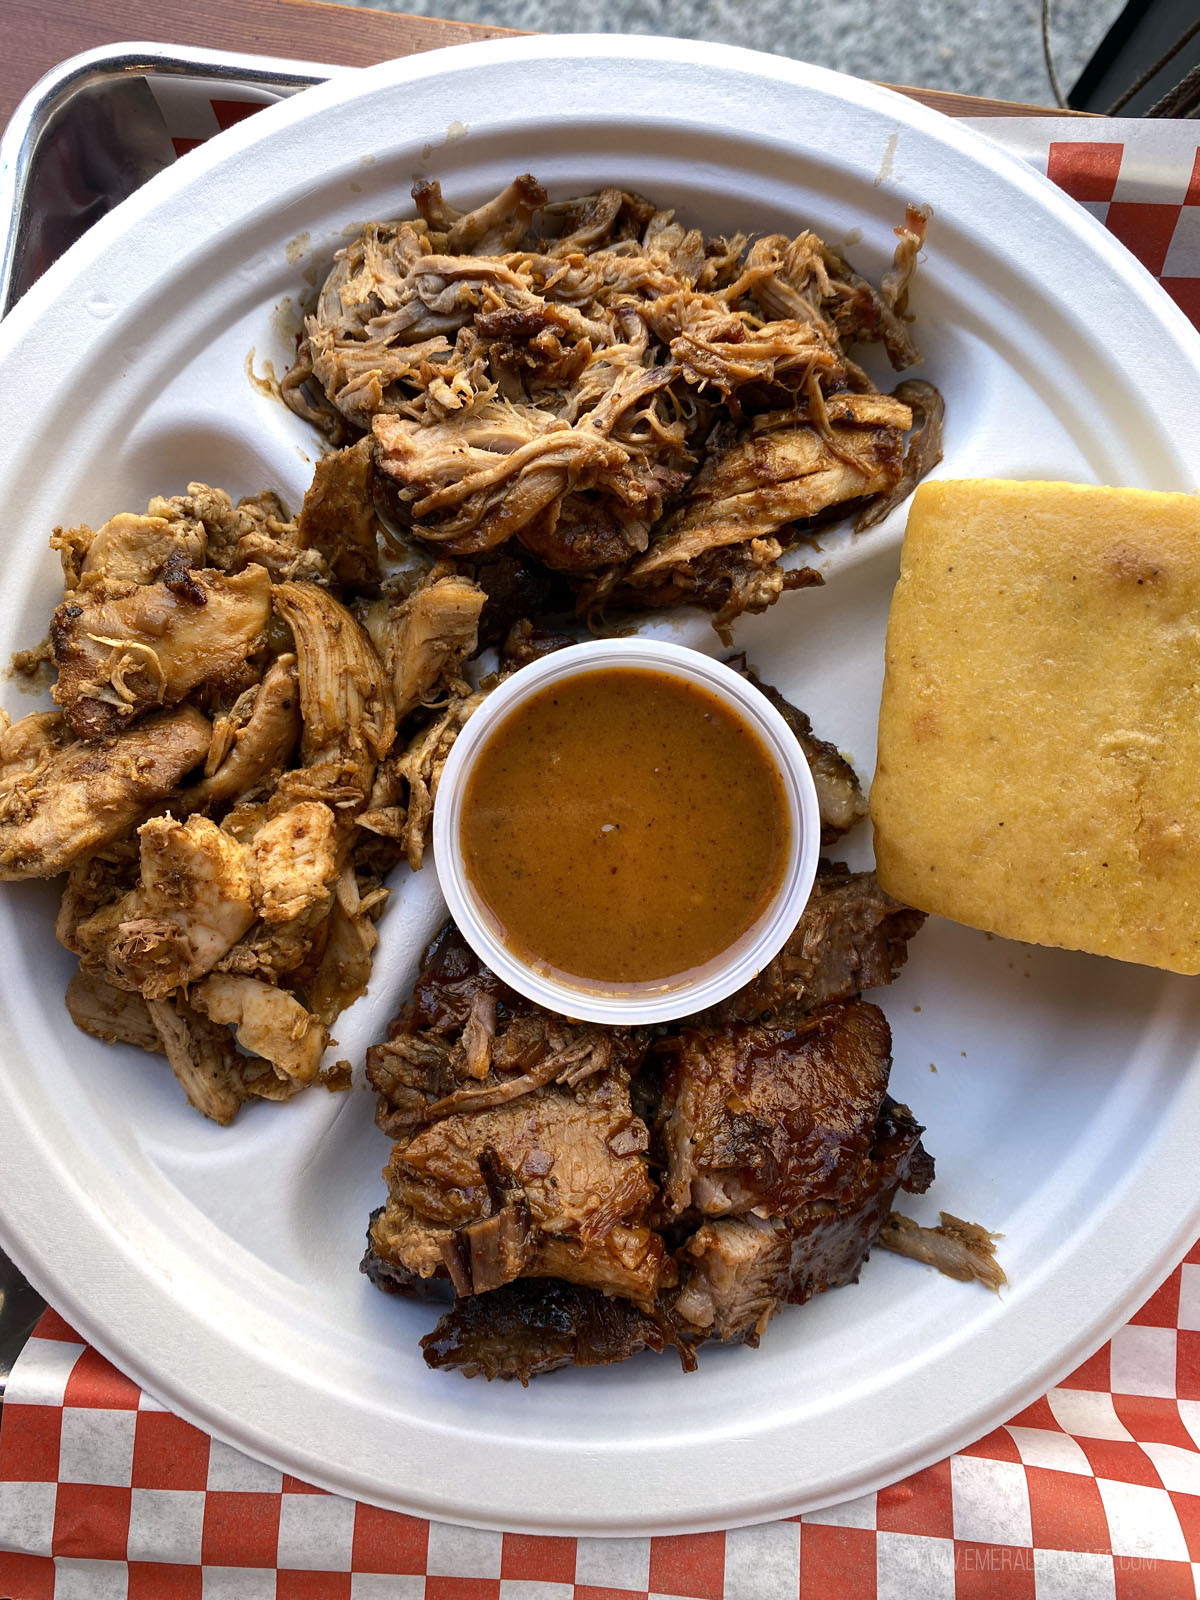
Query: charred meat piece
x=830 y=1246
x=560 y=1146
x=739 y=1271
x=574 y=1194
x=385 y=1273
x=533 y=1326
x=809 y=1148
x=497 y=1247
x=852 y=936
x=450 y=979
x=519 y=1149
x=769 y=1119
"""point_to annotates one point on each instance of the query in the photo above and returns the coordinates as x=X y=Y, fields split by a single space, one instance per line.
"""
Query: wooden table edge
x=39 y=37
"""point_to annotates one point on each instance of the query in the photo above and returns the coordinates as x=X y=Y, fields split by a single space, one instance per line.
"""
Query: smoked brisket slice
x=786 y=1147
x=394 y=1279
x=772 y=1119
x=590 y=1193
x=466 y=1043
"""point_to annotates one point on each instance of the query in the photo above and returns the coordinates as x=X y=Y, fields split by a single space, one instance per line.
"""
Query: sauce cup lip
x=632 y=1004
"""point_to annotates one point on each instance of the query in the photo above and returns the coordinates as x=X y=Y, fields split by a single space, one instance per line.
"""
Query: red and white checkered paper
x=1140 y=178
x=1093 y=1493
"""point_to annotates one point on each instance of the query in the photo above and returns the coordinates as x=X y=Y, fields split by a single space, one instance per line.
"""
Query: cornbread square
x=1039 y=733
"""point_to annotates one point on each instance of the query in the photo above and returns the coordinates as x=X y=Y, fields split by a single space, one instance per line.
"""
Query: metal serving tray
x=94 y=129
x=88 y=134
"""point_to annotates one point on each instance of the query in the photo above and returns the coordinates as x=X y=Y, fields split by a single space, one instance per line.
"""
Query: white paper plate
x=219 y=1267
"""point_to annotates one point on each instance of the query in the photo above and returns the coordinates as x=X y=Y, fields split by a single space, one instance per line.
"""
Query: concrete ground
x=985 y=47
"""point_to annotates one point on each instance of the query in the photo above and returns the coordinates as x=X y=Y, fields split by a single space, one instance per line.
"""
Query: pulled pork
x=654 y=415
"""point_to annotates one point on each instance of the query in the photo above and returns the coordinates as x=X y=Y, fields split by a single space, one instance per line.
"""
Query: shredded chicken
x=225 y=721
x=430 y=635
x=120 y=654
x=253 y=739
x=268 y=1022
x=88 y=794
x=295 y=862
x=193 y=903
x=115 y=1015
x=202 y=1057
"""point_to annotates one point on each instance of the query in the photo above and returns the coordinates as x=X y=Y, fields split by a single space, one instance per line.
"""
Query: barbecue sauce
x=623 y=826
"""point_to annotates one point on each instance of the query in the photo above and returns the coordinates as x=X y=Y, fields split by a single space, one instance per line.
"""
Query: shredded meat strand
x=654 y=415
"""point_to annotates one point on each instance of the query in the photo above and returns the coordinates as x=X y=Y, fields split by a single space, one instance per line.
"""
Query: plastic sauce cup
x=627 y=1004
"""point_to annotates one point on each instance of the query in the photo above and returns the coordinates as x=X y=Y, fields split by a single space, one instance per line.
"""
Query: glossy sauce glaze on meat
x=589 y=1192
